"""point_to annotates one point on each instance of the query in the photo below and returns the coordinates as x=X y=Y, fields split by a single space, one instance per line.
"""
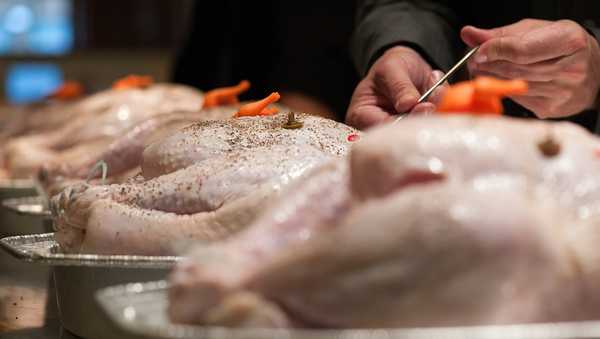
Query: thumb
x=399 y=88
x=404 y=95
x=473 y=36
x=397 y=76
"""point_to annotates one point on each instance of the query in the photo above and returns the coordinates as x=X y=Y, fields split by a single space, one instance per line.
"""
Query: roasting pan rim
x=25 y=206
x=115 y=301
x=12 y=184
x=40 y=248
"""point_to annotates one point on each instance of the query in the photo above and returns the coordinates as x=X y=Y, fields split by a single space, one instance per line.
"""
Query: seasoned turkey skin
x=123 y=154
x=435 y=221
x=194 y=144
x=244 y=163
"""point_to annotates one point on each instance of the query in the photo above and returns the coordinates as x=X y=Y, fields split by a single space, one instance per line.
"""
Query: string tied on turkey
x=102 y=165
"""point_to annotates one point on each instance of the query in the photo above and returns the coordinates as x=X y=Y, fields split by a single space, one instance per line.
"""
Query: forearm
x=430 y=27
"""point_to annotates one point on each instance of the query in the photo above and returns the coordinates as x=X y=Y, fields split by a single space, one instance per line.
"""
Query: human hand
x=393 y=86
x=559 y=59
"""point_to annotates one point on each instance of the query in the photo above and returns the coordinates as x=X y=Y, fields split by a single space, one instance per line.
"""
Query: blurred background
x=297 y=47
x=43 y=42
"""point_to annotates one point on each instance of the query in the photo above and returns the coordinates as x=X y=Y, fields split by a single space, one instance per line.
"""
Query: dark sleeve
x=431 y=27
x=591 y=27
x=591 y=116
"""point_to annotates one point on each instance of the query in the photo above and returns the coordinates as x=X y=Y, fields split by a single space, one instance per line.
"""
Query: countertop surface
x=25 y=311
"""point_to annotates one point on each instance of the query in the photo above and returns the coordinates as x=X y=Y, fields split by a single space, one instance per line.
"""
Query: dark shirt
x=295 y=45
x=432 y=28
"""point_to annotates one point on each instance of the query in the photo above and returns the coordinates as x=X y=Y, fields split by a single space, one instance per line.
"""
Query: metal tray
x=43 y=248
x=138 y=310
x=11 y=223
x=25 y=215
x=17 y=184
x=35 y=206
x=78 y=276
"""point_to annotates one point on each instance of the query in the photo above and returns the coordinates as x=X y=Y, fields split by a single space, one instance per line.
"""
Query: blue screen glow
x=36 y=27
x=28 y=82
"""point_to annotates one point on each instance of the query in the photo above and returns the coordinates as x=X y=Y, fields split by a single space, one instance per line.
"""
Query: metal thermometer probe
x=448 y=74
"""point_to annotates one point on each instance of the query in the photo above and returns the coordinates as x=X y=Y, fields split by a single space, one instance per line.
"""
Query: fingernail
x=480 y=58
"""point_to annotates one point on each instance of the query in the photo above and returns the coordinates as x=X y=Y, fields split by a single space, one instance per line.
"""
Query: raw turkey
x=93 y=124
x=204 y=182
x=435 y=221
x=17 y=122
x=51 y=114
x=209 y=139
x=123 y=156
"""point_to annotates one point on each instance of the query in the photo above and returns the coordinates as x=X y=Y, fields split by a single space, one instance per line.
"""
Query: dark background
x=297 y=47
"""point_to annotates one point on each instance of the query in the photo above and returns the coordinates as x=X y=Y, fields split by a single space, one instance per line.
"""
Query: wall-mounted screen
x=29 y=27
x=28 y=82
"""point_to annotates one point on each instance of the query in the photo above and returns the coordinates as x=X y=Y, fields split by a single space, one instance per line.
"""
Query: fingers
x=429 y=106
x=547 y=89
x=366 y=116
x=541 y=98
x=397 y=85
x=438 y=93
x=541 y=71
x=537 y=105
x=473 y=36
x=507 y=48
x=535 y=88
x=392 y=86
x=366 y=107
x=545 y=43
x=423 y=108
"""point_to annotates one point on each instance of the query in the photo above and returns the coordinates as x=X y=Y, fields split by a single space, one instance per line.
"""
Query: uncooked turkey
x=49 y=114
x=123 y=156
x=204 y=182
x=41 y=117
x=209 y=139
x=435 y=221
x=94 y=123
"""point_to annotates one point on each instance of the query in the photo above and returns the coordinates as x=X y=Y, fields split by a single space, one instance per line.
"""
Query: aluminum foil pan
x=78 y=276
x=35 y=206
x=11 y=223
x=6 y=186
x=22 y=216
x=43 y=248
x=138 y=310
